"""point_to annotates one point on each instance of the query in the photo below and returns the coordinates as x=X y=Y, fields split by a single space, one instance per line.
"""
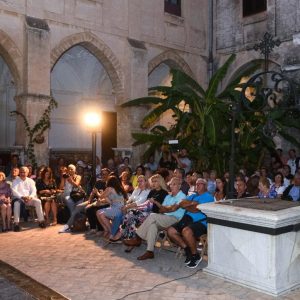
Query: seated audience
x=139 y=170
x=114 y=195
x=241 y=190
x=220 y=194
x=125 y=181
x=170 y=213
x=46 y=190
x=70 y=180
x=13 y=175
x=252 y=186
x=278 y=185
x=292 y=192
x=23 y=188
x=5 y=203
x=190 y=179
x=151 y=164
x=136 y=214
x=95 y=202
x=138 y=197
x=211 y=182
x=192 y=225
x=180 y=174
x=264 y=189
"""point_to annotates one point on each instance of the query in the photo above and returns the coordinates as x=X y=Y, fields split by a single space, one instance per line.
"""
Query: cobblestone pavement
x=12 y=292
x=80 y=267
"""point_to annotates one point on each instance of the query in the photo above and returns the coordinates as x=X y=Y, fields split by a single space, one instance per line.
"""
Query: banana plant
x=205 y=127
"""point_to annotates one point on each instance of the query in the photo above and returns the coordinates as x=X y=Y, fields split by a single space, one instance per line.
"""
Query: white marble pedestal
x=256 y=248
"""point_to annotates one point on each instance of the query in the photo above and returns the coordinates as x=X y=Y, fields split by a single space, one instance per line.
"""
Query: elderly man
x=170 y=213
x=292 y=192
x=23 y=189
x=192 y=225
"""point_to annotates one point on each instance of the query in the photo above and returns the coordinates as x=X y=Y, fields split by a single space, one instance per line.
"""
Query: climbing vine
x=35 y=133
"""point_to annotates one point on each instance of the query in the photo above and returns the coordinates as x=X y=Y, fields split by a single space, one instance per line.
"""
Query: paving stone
x=82 y=268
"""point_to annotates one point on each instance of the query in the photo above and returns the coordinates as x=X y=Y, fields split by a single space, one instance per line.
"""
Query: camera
x=173 y=145
x=66 y=176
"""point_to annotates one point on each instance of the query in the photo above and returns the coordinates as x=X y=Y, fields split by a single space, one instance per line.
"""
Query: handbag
x=77 y=193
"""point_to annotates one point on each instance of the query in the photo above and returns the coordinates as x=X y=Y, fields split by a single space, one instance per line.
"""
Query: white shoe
x=65 y=229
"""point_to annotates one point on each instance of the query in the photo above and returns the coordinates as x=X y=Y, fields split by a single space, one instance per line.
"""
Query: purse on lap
x=77 y=194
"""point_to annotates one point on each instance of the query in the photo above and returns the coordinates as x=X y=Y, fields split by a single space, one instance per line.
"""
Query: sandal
x=115 y=241
x=129 y=249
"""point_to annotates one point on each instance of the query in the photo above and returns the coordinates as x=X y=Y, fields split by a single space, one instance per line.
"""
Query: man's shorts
x=187 y=221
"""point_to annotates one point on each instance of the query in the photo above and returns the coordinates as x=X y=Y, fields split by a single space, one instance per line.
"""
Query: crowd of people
x=126 y=206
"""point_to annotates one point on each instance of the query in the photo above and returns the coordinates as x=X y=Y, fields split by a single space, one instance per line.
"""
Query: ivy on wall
x=35 y=133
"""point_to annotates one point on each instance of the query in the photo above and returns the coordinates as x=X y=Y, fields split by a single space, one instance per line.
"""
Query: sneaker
x=17 y=228
x=65 y=229
x=188 y=255
x=188 y=260
x=195 y=261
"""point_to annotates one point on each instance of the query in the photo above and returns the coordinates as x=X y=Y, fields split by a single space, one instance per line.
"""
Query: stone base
x=266 y=262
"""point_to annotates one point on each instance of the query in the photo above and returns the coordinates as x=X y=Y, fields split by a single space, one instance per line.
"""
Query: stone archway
x=13 y=58
x=172 y=59
x=101 y=51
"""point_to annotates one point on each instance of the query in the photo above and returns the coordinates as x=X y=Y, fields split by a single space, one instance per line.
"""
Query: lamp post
x=262 y=93
x=92 y=120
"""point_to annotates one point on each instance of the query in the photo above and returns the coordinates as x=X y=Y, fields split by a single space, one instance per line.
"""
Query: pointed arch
x=101 y=51
x=12 y=56
x=238 y=69
x=173 y=60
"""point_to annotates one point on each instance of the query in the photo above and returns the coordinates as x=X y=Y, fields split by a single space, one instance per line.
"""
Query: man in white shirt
x=293 y=162
x=23 y=189
x=182 y=160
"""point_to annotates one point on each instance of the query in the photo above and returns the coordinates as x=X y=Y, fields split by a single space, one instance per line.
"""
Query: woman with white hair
x=70 y=180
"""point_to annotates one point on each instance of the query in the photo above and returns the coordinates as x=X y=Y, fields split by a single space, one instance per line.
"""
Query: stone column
x=136 y=85
x=33 y=107
x=36 y=82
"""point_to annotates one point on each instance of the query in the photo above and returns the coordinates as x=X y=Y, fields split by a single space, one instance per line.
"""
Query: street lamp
x=93 y=120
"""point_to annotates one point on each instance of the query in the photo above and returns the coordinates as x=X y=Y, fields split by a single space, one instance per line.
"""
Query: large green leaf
x=179 y=78
x=217 y=78
x=144 y=138
x=143 y=101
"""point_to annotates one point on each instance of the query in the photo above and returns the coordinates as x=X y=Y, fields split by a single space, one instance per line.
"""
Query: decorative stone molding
x=12 y=56
x=101 y=51
x=172 y=59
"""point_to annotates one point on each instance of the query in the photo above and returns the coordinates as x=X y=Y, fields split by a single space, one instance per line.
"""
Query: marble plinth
x=256 y=248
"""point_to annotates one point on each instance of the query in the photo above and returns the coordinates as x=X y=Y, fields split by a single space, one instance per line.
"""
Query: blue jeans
x=71 y=204
x=116 y=222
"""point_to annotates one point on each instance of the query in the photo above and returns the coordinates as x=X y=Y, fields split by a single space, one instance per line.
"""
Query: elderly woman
x=70 y=180
x=5 y=202
x=264 y=189
x=138 y=197
x=136 y=214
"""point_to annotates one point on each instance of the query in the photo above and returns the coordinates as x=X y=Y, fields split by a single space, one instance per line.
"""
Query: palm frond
x=143 y=101
x=217 y=78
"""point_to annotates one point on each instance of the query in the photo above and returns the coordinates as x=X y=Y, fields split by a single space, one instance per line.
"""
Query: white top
x=21 y=188
x=292 y=164
x=187 y=162
x=139 y=196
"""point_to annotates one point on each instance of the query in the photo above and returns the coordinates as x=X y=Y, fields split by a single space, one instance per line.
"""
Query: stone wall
x=129 y=37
